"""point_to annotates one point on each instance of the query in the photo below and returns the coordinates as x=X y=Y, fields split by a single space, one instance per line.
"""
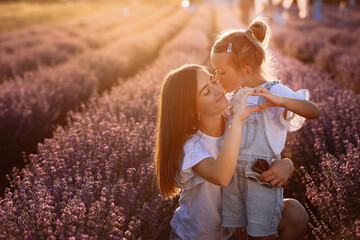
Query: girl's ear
x=248 y=70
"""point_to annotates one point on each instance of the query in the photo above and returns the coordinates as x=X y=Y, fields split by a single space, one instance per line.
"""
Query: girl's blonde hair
x=177 y=122
x=248 y=47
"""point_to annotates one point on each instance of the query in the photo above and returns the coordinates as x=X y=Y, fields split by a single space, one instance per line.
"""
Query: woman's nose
x=218 y=89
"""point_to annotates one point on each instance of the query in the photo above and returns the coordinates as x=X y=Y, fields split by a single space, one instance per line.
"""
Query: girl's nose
x=217 y=78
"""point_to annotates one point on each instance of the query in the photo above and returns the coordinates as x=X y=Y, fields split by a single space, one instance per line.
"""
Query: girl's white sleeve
x=293 y=121
x=194 y=152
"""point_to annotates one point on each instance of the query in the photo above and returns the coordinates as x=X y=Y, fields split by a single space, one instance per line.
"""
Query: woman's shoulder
x=195 y=142
x=195 y=150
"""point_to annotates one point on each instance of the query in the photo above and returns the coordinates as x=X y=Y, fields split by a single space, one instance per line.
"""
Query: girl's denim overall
x=249 y=203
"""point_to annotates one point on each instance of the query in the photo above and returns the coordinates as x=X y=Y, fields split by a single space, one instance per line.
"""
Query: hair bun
x=259 y=29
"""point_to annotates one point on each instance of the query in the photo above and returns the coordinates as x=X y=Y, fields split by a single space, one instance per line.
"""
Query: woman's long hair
x=177 y=121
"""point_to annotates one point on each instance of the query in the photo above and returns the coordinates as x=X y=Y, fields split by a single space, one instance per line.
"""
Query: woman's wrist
x=237 y=120
x=291 y=166
x=236 y=123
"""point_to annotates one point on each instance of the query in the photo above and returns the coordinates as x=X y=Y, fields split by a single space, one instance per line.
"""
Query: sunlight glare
x=185 y=3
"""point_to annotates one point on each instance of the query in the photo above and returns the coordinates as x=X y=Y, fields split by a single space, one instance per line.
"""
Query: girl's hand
x=304 y=108
x=279 y=173
x=241 y=110
x=272 y=100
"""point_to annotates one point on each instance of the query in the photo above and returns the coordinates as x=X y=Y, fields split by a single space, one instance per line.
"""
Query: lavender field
x=331 y=45
x=80 y=97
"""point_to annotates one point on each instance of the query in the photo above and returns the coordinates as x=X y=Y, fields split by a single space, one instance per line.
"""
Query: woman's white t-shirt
x=276 y=127
x=199 y=213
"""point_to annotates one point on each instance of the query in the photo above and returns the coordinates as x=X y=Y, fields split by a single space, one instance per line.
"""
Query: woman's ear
x=194 y=114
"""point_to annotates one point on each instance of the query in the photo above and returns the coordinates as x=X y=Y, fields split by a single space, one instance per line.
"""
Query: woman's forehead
x=203 y=74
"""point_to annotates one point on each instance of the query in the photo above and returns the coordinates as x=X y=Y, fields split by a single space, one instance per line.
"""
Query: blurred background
x=79 y=85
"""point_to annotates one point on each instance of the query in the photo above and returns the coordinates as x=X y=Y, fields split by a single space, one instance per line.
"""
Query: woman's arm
x=304 y=108
x=220 y=171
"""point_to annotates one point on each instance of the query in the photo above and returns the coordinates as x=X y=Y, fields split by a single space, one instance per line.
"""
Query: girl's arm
x=304 y=108
x=220 y=171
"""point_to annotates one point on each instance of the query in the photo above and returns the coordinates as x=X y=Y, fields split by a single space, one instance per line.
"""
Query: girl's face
x=210 y=97
x=229 y=77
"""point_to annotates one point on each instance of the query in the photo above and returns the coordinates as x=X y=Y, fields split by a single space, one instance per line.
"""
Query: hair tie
x=229 y=48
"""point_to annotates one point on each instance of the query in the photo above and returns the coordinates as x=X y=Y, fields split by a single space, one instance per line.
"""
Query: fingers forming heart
x=266 y=105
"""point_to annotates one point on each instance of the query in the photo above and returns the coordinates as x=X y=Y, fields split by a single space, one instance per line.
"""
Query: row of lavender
x=95 y=179
x=100 y=21
x=325 y=151
x=31 y=105
x=332 y=47
x=27 y=50
x=332 y=29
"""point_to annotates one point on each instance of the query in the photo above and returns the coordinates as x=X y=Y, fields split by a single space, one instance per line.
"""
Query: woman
x=190 y=130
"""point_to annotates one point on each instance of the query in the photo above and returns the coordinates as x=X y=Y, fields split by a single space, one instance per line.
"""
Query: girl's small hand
x=272 y=100
x=279 y=173
x=241 y=110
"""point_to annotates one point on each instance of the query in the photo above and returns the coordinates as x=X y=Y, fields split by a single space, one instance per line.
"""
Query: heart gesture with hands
x=272 y=100
x=240 y=109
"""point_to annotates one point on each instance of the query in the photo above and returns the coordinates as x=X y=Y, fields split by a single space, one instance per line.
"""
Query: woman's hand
x=279 y=173
x=241 y=110
x=272 y=100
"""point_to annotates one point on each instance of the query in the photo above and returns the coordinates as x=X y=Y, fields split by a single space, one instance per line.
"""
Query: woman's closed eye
x=206 y=92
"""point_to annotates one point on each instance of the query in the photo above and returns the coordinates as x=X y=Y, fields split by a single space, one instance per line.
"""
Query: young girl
x=191 y=126
x=253 y=201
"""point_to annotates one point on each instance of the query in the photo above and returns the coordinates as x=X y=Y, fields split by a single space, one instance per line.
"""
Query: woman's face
x=210 y=97
x=229 y=78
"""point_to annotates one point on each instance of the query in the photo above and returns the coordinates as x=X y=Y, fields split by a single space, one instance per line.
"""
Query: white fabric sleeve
x=194 y=154
x=229 y=95
x=293 y=121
